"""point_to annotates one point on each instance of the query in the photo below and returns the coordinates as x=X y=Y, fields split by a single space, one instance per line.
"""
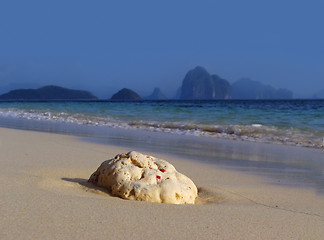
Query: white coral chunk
x=136 y=176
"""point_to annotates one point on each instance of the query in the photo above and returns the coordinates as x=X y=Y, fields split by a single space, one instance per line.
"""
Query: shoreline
x=289 y=126
x=277 y=163
x=45 y=195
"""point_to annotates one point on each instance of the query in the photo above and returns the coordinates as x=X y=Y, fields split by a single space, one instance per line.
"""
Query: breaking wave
x=255 y=132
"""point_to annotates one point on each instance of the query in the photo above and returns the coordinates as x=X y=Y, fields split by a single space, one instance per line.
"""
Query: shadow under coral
x=89 y=186
x=205 y=195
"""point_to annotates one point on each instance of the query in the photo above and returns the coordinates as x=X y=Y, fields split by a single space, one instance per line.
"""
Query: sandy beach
x=45 y=195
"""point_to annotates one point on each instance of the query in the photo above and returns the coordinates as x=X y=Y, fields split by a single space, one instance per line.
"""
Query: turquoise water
x=291 y=122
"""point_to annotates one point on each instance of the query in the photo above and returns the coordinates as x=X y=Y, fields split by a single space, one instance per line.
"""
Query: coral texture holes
x=136 y=163
x=131 y=193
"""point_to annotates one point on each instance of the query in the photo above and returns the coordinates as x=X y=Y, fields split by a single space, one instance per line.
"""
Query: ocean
x=289 y=122
x=287 y=135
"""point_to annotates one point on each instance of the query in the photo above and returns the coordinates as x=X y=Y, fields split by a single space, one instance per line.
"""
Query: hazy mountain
x=222 y=88
x=178 y=93
x=48 y=93
x=156 y=95
x=282 y=93
x=248 y=89
x=199 y=84
x=126 y=95
x=13 y=86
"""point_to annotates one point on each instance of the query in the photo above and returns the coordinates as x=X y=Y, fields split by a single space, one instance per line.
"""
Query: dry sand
x=45 y=195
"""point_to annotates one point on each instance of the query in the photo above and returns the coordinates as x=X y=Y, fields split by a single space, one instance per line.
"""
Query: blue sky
x=104 y=45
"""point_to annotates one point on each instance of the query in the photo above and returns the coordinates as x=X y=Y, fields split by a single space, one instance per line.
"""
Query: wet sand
x=45 y=195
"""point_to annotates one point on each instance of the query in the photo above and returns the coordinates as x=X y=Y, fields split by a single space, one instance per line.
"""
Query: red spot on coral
x=158 y=177
x=162 y=170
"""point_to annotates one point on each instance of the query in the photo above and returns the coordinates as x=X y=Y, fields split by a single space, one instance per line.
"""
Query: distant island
x=157 y=94
x=126 y=94
x=48 y=93
x=248 y=89
x=199 y=84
